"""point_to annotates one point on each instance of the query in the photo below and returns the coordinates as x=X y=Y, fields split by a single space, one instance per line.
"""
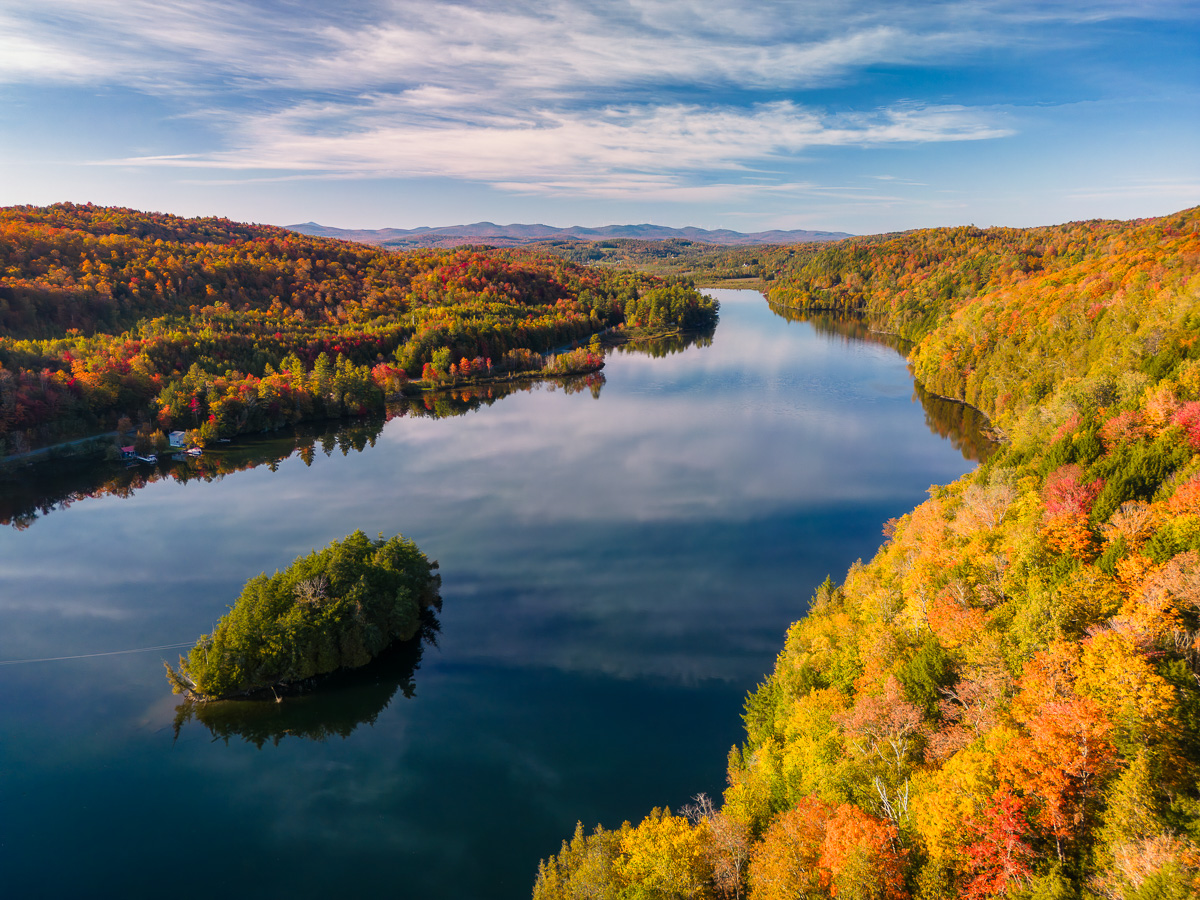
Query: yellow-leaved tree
x=665 y=857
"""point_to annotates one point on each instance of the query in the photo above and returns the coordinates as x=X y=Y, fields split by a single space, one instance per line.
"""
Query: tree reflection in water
x=332 y=706
x=30 y=491
x=967 y=429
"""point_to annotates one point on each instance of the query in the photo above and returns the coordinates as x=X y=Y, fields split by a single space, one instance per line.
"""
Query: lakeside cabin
x=176 y=438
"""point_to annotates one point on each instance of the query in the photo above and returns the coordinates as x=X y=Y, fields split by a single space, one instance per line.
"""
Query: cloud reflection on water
x=673 y=527
x=617 y=572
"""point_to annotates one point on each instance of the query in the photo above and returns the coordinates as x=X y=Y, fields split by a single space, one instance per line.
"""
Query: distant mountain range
x=512 y=235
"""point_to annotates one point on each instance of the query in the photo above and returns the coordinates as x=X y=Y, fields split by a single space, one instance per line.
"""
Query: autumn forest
x=220 y=328
x=1003 y=702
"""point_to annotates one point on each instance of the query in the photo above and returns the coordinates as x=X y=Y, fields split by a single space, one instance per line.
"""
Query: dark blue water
x=618 y=571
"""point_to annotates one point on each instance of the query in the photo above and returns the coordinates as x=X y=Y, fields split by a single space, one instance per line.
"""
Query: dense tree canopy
x=1005 y=701
x=222 y=328
x=334 y=609
x=340 y=704
x=30 y=491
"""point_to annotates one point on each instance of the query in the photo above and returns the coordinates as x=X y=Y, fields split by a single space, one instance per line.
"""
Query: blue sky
x=849 y=115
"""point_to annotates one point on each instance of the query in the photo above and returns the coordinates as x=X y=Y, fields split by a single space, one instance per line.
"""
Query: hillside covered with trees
x=1005 y=701
x=225 y=328
x=707 y=264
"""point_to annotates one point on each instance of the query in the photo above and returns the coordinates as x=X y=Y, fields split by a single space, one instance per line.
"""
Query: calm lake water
x=619 y=567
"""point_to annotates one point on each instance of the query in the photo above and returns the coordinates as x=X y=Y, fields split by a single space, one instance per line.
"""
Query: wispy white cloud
x=534 y=48
x=557 y=56
x=616 y=151
x=680 y=100
x=148 y=46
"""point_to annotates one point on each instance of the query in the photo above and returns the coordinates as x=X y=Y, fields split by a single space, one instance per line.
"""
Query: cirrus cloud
x=613 y=151
x=682 y=100
x=532 y=47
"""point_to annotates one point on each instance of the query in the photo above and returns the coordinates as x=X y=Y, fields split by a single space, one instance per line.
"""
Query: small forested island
x=1005 y=701
x=334 y=708
x=113 y=318
x=334 y=609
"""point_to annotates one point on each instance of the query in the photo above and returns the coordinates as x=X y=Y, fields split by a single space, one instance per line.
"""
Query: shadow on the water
x=334 y=706
x=458 y=401
x=854 y=329
x=966 y=428
x=33 y=490
x=668 y=344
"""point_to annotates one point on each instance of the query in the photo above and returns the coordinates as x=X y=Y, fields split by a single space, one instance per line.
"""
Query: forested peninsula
x=113 y=318
x=1005 y=701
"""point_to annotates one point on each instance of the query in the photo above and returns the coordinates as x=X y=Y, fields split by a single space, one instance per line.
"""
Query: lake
x=619 y=563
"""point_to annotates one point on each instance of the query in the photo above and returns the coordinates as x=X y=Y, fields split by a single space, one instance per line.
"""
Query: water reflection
x=459 y=401
x=669 y=344
x=966 y=428
x=850 y=327
x=334 y=707
x=33 y=490
x=617 y=574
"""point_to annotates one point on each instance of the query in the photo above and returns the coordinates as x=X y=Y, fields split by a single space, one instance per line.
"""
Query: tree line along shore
x=220 y=328
x=1005 y=701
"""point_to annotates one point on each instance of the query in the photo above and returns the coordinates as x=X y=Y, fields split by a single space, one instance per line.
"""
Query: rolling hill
x=513 y=235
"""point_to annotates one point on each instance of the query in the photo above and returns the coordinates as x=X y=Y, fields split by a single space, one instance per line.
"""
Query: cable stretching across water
x=14 y=662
